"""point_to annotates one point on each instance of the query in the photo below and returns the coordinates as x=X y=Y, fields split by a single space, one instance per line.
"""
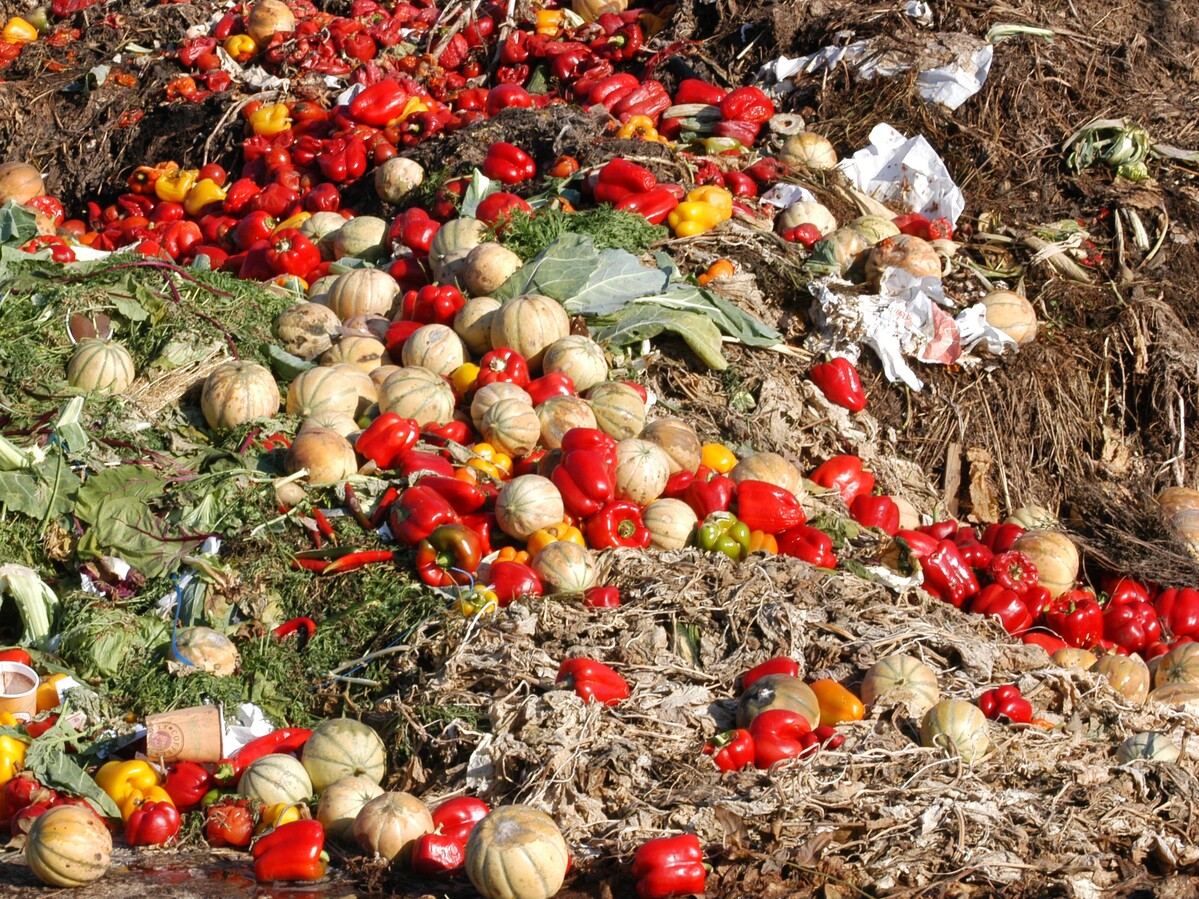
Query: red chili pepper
x=767 y=508
x=838 y=381
x=187 y=783
x=355 y=560
x=670 y=866
x=777 y=735
x=449 y=555
x=592 y=680
x=290 y=852
x=1006 y=702
x=1075 y=616
x=153 y=824
x=508 y=163
x=731 y=750
x=417 y=512
x=386 y=439
x=510 y=581
x=844 y=474
x=601 y=597
x=1004 y=604
x=617 y=524
x=295 y=626
x=284 y=740
x=777 y=665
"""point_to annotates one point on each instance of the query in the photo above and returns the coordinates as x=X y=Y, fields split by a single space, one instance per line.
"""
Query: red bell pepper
x=1006 y=702
x=1178 y=608
x=1132 y=625
x=693 y=90
x=187 y=783
x=617 y=524
x=508 y=163
x=586 y=479
x=415 y=461
x=255 y=227
x=670 y=866
x=1123 y=589
x=809 y=544
x=415 y=230
x=876 y=512
x=554 y=384
x=941 y=530
x=291 y=253
x=598 y=597
x=456 y=818
x=1051 y=643
x=343 y=159
x=999 y=602
x=778 y=665
x=386 y=439
x=153 y=824
x=502 y=364
x=380 y=103
x=648 y=99
x=463 y=496
x=1000 y=537
x=611 y=90
x=838 y=381
x=824 y=736
x=283 y=740
x=294 y=851
x=844 y=474
x=976 y=554
x=432 y=305
x=16 y=655
x=510 y=581
x=1076 y=617
x=709 y=492
x=620 y=178
x=417 y=512
x=731 y=750
x=1014 y=571
x=767 y=508
x=499 y=207
x=777 y=735
x=592 y=680
x=449 y=555
x=504 y=95
x=653 y=205
x=590 y=439
x=442 y=853
x=747 y=104
x=947 y=576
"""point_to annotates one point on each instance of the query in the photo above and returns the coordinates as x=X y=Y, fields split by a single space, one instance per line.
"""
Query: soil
x=1090 y=421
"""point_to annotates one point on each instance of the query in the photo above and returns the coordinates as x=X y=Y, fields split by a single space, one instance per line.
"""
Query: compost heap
x=1064 y=135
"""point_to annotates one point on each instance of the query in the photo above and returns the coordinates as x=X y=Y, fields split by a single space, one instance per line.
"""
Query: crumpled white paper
x=253 y=76
x=907 y=172
x=977 y=334
x=784 y=195
x=249 y=723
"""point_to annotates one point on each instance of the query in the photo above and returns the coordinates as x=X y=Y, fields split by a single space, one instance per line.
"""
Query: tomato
x=229 y=823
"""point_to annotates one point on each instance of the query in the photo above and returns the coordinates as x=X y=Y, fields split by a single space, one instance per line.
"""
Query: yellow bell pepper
x=491 y=461
x=714 y=196
x=202 y=194
x=8 y=719
x=412 y=107
x=691 y=218
x=269 y=120
x=174 y=186
x=463 y=377
x=554 y=533
x=241 y=47
x=549 y=21
x=281 y=813
x=47 y=693
x=293 y=221
x=130 y=785
x=18 y=31
x=478 y=600
x=717 y=457
x=639 y=127
x=12 y=758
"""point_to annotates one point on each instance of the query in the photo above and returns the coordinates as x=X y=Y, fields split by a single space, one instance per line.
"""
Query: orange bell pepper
x=512 y=554
x=463 y=378
x=270 y=119
x=18 y=31
x=241 y=47
x=549 y=21
x=717 y=457
x=173 y=186
x=837 y=703
x=761 y=542
x=554 y=533
x=492 y=461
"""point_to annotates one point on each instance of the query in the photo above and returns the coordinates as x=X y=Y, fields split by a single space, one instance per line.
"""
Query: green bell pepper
x=723 y=532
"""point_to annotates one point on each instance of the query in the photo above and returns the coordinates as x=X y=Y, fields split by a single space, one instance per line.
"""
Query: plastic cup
x=18 y=690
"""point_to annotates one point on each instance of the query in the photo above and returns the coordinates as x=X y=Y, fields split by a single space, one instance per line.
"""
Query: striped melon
x=100 y=366
x=517 y=852
x=68 y=846
x=341 y=803
x=366 y=353
x=364 y=385
x=237 y=392
x=362 y=291
x=529 y=324
x=276 y=778
x=579 y=358
x=417 y=393
x=618 y=408
x=435 y=347
x=343 y=747
x=321 y=389
x=511 y=426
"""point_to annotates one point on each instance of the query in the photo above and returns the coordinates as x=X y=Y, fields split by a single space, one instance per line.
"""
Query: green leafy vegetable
x=560 y=272
x=644 y=321
x=609 y=228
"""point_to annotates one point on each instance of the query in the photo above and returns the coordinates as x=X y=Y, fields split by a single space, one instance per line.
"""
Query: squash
x=208 y=650
x=326 y=455
x=517 y=852
x=398 y=177
x=958 y=727
x=900 y=678
x=341 y=803
x=1179 y=666
x=579 y=358
x=512 y=427
x=1127 y=675
x=365 y=353
x=529 y=324
x=679 y=440
x=874 y=228
x=364 y=387
x=560 y=414
x=337 y=422
x=771 y=468
x=268 y=18
x=847 y=247
x=20 y=182
x=487 y=267
x=1185 y=526
x=321 y=389
x=1178 y=499
x=1033 y=518
x=274 y=779
x=417 y=393
x=306 y=329
x=435 y=347
x=473 y=323
x=1180 y=696
x=369 y=325
x=363 y=291
x=670 y=522
x=1055 y=557
x=237 y=392
x=381 y=374
x=807 y=150
x=487 y=396
x=914 y=255
x=528 y=503
x=456 y=235
x=1072 y=657
x=909 y=515
x=619 y=409
x=343 y=747
x=389 y=826
x=320 y=228
x=1151 y=747
x=806 y=212
x=642 y=470
x=565 y=567
x=778 y=691
x=1011 y=313
x=100 y=366
x=362 y=237
x=68 y=846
